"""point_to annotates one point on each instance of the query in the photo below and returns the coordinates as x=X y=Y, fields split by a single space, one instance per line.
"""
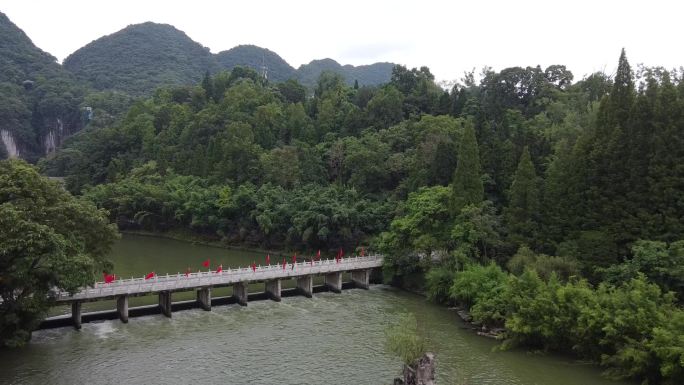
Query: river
x=330 y=339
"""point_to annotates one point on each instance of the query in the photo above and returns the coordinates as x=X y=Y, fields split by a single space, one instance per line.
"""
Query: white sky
x=447 y=36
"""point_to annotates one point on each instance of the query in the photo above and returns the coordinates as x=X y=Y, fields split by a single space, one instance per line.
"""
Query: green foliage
x=425 y=224
x=522 y=213
x=633 y=328
x=140 y=58
x=403 y=339
x=467 y=181
x=661 y=263
x=438 y=282
x=373 y=74
x=477 y=231
x=310 y=217
x=38 y=98
x=544 y=265
x=256 y=57
x=49 y=240
x=481 y=289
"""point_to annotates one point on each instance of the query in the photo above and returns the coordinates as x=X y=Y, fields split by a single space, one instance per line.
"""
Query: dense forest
x=549 y=206
x=522 y=194
x=39 y=100
x=43 y=102
x=140 y=58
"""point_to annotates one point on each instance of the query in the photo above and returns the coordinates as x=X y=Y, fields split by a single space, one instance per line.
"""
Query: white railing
x=228 y=276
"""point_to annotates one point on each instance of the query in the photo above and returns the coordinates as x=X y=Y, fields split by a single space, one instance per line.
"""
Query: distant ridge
x=256 y=57
x=142 y=57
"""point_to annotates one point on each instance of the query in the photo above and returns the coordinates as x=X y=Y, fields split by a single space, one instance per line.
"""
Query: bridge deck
x=181 y=282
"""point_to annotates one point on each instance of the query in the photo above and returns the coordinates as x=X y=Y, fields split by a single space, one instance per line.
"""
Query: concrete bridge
x=239 y=278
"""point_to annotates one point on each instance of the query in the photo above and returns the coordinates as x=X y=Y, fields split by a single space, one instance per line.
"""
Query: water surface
x=330 y=339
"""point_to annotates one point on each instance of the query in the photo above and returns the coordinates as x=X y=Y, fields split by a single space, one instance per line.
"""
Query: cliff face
x=39 y=100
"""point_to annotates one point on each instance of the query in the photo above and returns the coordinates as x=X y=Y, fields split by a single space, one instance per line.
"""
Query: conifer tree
x=208 y=86
x=666 y=166
x=467 y=182
x=522 y=213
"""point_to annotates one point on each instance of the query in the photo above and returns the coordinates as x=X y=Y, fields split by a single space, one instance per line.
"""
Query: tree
x=385 y=108
x=292 y=91
x=424 y=225
x=467 y=181
x=522 y=213
x=48 y=239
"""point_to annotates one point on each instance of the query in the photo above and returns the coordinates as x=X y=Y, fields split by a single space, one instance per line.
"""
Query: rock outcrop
x=422 y=372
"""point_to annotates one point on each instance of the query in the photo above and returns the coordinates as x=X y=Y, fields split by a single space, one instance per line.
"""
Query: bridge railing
x=181 y=281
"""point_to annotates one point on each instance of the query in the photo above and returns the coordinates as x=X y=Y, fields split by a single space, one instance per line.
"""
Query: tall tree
x=467 y=182
x=48 y=239
x=522 y=213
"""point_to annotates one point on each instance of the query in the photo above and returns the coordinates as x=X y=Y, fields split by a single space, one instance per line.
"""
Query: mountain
x=39 y=100
x=278 y=70
x=140 y=58
x=372 y=74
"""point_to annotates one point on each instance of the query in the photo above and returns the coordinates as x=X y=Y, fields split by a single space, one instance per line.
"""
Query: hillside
x=141 y=58
x=372 y=74
x=256 y=57
x=39 y=100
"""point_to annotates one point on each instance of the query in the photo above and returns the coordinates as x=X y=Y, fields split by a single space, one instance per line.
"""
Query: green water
x=330 y=339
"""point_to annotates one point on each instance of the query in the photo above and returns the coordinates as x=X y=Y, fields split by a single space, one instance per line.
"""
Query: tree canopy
x=50 y=240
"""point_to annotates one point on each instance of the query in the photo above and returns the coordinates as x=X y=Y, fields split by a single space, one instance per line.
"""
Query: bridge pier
x=361 y=278
x=240 y=292
x=122 y=307
x=165 y=303
x=204 y=298
x=334 y=281
x=76 y=314
x=273 y=289
x=305 y=285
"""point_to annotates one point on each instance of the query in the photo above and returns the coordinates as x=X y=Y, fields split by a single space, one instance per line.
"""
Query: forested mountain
x=371 y=75
x=39 y=100
x=255 y=58
x=140 y=58
x=42 y=103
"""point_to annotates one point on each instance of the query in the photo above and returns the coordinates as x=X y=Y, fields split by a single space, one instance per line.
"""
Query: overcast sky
x=447 y=36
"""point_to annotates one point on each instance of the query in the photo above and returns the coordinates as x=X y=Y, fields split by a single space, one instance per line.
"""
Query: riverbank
x=197 y=239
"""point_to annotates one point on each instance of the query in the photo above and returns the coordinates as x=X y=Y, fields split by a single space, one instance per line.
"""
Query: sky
x=449 y=37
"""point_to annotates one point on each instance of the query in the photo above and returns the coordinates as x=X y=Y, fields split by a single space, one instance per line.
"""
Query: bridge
x=239 y=278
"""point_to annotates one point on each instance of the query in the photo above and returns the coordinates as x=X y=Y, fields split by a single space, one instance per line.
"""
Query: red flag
x=205 y=263
x=318 y=255
x=284 y=263
x=268 y=259
x=294 y=258
x=150 y=275
x=219 y=269
x=254 y=267
x=109 y=278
